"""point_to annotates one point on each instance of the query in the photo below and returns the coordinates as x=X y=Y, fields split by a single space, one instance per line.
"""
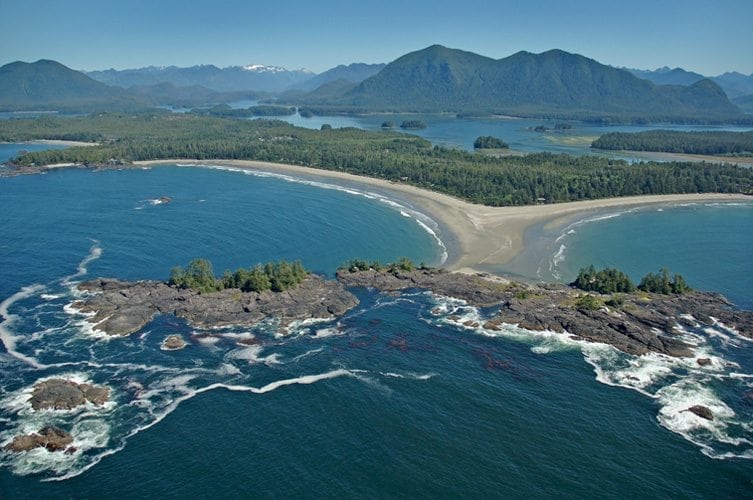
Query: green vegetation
x=224 y=110
x=388 y=124
x=413 y=125
x=611 y=280
x=489 y=142
x=403 y=264
x=604 y=281
x=673 y=141
x=553 y=85
x=275 y=276
x=588 y=303
x=392 y=156
x=662 y=283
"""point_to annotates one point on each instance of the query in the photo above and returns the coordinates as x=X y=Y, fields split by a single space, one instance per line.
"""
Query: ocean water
x=395 y=399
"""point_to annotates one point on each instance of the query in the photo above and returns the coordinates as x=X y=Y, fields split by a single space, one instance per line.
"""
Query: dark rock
x=122 y=308
x=642 y=323
x=703 y=361
x=51 y=438
x=701 y=411
x=62 y=394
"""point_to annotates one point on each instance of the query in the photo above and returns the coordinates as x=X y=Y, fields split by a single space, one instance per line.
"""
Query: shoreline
x=740 y=161
x=483 y=236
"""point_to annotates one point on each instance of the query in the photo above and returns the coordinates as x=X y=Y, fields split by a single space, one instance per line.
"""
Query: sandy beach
x=485 y=236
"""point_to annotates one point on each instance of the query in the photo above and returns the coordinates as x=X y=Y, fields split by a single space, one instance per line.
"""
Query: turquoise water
x=710 y=244
x=395 y=399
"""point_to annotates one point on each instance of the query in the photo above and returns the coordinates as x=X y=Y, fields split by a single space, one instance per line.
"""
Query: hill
x=352 y=73
x=254 y=77
x=666 y=76
x=551 y=84
x=49 y=83
x=733 y=83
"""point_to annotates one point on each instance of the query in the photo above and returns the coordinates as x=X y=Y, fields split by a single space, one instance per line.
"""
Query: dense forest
x=489 y=142
x=392 y=156
x=673 y=141
x=611 y=280
x=274 y=276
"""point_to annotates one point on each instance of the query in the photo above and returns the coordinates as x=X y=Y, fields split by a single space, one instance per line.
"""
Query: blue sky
x=709 y=37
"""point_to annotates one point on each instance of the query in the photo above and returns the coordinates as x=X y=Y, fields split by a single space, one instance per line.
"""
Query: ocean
x=395 y=399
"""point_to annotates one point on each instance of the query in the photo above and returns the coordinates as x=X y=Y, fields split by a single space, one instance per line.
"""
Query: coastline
x=740 y=161
x=486 y=237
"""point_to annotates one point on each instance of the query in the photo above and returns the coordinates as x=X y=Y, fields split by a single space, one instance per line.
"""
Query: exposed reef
x=636 y=323
x=122 y=308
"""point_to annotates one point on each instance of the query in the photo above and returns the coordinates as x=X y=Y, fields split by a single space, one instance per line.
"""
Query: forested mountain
x=48 y=82
x=554 y=84
x=254 y=77
x=352 y=73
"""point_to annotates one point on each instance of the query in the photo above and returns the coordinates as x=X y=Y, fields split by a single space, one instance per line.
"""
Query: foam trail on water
x=95 y=252
x=8 y=339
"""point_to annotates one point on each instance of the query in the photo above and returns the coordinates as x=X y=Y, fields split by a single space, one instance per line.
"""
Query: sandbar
x=485 y=236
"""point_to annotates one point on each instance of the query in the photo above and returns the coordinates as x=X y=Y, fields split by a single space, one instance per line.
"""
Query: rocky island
x=638 y=322
x=122 y=308
x=635 y=323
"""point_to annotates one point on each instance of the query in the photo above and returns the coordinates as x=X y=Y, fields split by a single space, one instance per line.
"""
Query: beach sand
x=485 y=236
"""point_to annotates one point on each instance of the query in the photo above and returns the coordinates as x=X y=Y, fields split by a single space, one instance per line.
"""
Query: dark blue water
x=396 y=398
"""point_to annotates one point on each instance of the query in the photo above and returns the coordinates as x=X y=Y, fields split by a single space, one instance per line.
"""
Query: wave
x=95 y=252
x=676 y=384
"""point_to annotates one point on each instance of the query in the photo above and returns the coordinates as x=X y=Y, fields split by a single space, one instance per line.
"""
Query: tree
x=489 y=142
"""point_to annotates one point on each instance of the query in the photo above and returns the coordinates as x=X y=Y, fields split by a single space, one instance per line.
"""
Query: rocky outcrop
x=173 y=343
x=477 y=289
x=122 y=308
x=702 y=411
x=60 y=394
x=51 y=438
x=636 y=323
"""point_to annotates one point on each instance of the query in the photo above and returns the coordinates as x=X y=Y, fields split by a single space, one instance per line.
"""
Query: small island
x=638 y=322
x=489 y=142
x=599 y=306
x=413 y=125
x=244 y=298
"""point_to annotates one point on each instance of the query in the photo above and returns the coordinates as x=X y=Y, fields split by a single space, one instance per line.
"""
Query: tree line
x=610 y=280
x=274 y=276
x=393 y=156
x=674 y=141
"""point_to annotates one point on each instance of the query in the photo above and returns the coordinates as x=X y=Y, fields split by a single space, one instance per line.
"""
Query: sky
x=706 y=36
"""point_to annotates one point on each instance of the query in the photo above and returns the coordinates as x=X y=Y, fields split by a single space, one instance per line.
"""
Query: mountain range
x=733 y=83
x=436 y=79
x=256 y=77
x=551 y=84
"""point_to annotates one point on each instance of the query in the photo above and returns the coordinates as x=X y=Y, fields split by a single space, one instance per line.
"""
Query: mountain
x=44 y=83
x=353 y=73
x=254 y=77
x=735 y=84
x=666 y=76
x=551 y=84
x=745 y=103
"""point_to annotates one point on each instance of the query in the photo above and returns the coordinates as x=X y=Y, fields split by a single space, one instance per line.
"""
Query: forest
x=389 y=155
x=674 y=141
x=274 y=276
